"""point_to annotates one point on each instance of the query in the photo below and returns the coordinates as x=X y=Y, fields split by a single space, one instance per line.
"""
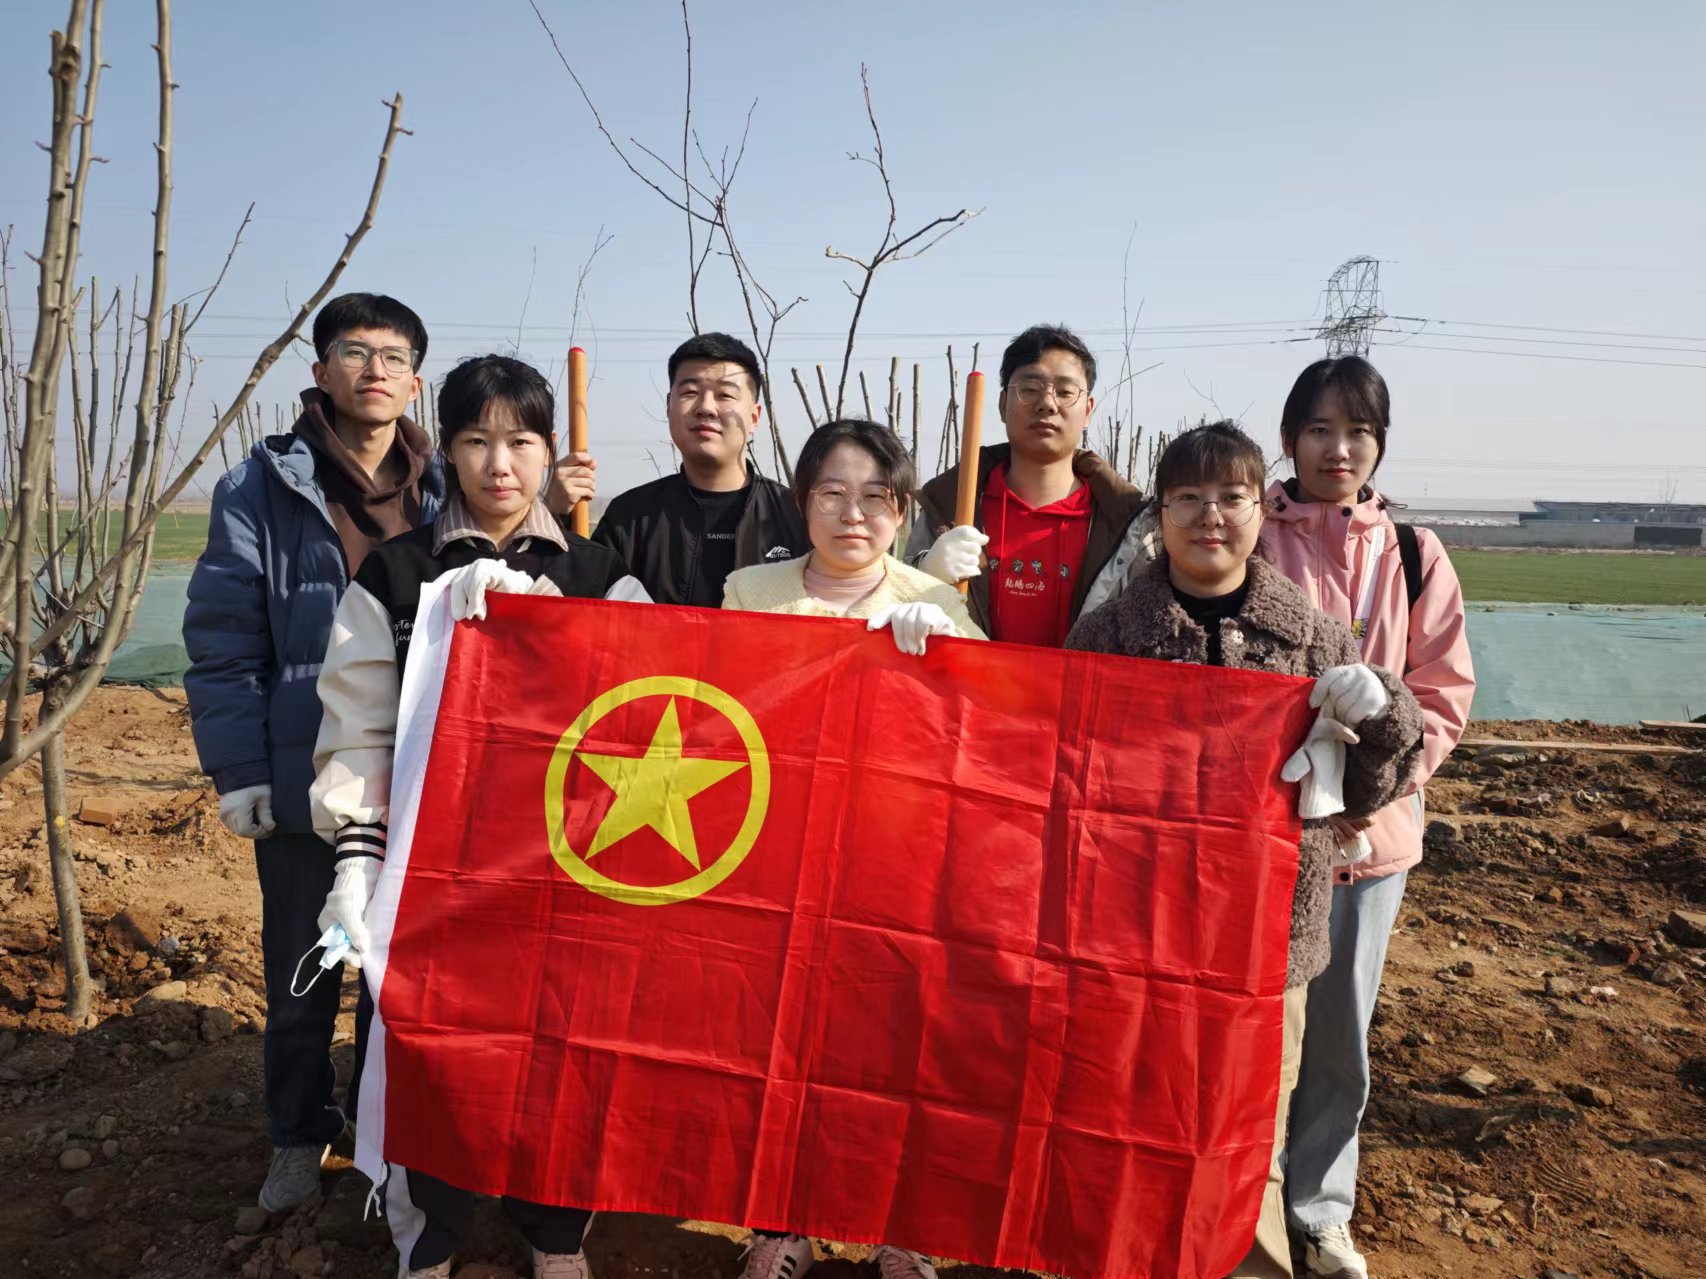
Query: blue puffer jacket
x=259 y=618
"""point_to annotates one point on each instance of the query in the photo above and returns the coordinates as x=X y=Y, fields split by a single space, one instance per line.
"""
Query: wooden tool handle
x=971 y=441
x=577 y=428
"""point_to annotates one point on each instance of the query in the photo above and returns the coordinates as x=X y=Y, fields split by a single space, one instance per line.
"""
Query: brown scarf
x=365 y=509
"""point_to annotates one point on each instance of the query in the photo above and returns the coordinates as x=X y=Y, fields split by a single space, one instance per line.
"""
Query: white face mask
x=335 y=943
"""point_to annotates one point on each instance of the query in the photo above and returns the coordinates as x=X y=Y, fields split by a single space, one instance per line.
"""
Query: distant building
x=1624 y=525
x=1618 y=512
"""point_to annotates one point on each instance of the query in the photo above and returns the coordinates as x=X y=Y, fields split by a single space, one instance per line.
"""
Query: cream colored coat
x=781 y=588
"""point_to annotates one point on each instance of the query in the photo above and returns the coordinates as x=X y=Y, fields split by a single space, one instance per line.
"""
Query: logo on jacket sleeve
x=778 y=553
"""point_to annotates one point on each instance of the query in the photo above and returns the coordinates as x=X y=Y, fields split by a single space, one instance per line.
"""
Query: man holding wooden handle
x=1060 y=529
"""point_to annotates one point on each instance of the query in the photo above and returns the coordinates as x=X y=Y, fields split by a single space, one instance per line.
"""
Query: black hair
x=880 y=442
x=1362 y=395
x=1215 y=452
x=350 y=311
x=472 y=385
x=1036 y=341
x=720 y=348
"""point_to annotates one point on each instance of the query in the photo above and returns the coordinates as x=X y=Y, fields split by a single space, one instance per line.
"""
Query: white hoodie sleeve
x=359 y=692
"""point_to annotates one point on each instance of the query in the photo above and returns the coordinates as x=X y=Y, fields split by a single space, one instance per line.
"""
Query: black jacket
x=658 y=531
x=395 y=572
x=361 y=678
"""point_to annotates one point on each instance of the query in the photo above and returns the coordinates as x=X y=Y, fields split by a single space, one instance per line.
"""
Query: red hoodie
x=1035 y=556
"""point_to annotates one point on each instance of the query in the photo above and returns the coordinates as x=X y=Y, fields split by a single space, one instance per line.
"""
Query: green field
x=181 y=535
x=1578 y=577
x=1582 y=577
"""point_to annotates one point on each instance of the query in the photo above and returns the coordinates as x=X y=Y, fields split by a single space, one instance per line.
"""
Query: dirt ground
x=1532 y=947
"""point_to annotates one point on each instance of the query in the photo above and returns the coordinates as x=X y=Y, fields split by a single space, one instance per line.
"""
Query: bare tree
x=68 y=595
x=893 y=247
x=704 y=203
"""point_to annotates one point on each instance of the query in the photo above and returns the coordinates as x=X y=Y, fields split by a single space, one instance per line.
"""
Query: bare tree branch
x=599 y=240
x=521 y=320
x=220 y=279
x=608 y=136
x=145 y=503
x=890 y=248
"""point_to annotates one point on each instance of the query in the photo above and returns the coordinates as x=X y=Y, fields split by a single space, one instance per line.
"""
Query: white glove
x=954 y=556
x=1353 y=845
x=346 y=904
x=1320 y=765
x=469 y=586
x=1350 y=694
x=247 y=813
x=911 y=624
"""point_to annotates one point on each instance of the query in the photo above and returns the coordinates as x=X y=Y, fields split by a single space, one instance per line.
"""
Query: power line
x=1604 y=346
x=1542 y=328
x=1541 y=355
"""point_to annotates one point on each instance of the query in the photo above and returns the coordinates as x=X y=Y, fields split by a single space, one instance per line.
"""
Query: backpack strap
x=1410 y=559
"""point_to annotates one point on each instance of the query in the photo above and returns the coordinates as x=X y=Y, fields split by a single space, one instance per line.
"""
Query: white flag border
x=417 y=715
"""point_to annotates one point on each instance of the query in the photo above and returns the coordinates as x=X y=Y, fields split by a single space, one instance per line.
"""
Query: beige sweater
x=781 y=588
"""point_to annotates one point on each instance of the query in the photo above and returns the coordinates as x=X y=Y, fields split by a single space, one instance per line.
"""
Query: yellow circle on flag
x=757 y=760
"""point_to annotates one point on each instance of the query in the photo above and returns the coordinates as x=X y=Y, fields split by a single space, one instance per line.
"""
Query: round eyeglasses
x=833 y=499
x=1235 y=508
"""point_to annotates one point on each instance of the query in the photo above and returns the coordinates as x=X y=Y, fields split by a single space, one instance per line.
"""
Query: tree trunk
x=78 y=989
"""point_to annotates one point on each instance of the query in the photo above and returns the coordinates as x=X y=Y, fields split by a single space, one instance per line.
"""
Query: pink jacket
x=1323 y=548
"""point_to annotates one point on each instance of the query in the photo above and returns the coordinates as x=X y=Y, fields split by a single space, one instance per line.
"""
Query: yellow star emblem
x=653 y=789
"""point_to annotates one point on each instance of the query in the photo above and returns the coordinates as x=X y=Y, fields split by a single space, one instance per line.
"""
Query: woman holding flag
x=852 y=482
x=497 y=434
x=1210 y=601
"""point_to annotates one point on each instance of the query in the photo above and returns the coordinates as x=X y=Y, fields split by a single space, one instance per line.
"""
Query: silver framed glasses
x=833 y=499
x=355 y=356
x=1235 y=508
x=1030 y=392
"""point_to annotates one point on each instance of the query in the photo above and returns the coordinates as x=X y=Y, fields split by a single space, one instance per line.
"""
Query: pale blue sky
x=1521 y=164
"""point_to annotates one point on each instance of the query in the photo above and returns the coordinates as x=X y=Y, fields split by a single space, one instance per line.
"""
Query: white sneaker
x=560 y=1265
x=1330 y=1254
x=777 y=1257
x=901 y=1263
x=440 y=1271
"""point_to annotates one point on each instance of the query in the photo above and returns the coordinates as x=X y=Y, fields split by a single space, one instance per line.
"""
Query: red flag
x=753 y=919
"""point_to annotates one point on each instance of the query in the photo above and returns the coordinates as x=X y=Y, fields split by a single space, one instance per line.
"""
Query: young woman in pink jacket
x=1331 y=532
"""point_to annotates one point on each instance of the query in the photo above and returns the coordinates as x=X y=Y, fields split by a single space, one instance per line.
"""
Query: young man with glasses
x=290 y=526
x=1059 y=529
x=682 y=535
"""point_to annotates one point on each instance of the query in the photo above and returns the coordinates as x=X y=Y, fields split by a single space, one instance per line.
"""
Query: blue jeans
x=296 y=874
x=1332 y=1090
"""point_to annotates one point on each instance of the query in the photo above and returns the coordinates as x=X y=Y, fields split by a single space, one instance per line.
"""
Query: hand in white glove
x=470 y=584
x=1350 y=694
x=954 y=556
x=247 y=813
x=1320 y=765
x=346 y=904
x=911 y=624
x=1351 y=832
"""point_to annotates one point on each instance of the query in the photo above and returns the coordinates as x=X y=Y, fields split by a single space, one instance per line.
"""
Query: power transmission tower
x=1352 y=307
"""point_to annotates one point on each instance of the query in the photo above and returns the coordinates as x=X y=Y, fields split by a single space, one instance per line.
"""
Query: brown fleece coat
x=1114 y=503
x=1277 y=630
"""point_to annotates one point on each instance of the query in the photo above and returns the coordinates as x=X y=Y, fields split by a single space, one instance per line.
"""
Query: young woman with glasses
x=851 y=482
